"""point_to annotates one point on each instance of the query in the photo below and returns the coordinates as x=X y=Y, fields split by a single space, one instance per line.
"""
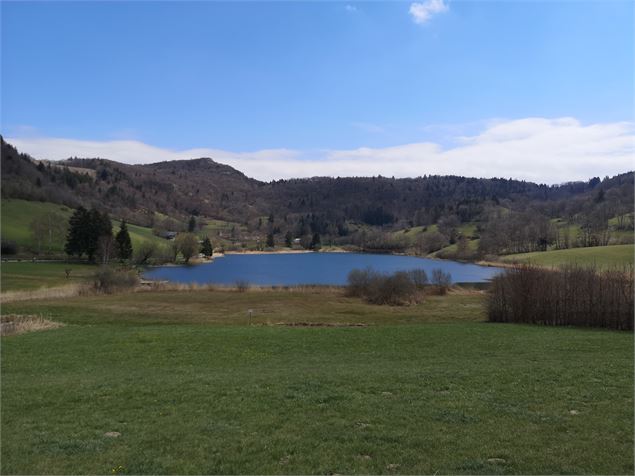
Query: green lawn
x=28 y=276
x=602 y=256
x=425 y=389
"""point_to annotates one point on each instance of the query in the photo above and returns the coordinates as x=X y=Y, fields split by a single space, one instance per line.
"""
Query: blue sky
x=309 y=77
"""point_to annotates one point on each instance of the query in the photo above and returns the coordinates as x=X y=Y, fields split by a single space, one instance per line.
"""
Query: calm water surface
x=309 y=268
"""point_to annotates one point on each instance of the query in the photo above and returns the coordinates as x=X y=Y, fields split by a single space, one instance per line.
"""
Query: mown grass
x=24 y=275
x=193 y=389
x=601 y=256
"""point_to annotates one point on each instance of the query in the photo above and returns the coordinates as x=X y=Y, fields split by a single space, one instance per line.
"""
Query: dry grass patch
x=14 y=324
x=71 y=290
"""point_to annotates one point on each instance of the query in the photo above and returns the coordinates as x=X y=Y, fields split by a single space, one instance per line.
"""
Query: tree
x=85 y=230
x=463 y=247
x=270 y=241
x=316 y=242
x=145 y=251
x=187 y=245
x=123 y=243
x=288 y=239
x=38 y=232
x=191 y=225
x=448 y=227
x=442 y=280
x=98 y=225
x=431 y=241
x=206 y=247
x=105 y=248
x=77 y=237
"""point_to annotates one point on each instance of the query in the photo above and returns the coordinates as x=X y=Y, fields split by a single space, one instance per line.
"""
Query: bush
x=109 y=280
x=8 y=247
x=359 y=281
x=419 y=278
x=398 y=288
x=572 y=295
x=242 y=285
x=441 y=281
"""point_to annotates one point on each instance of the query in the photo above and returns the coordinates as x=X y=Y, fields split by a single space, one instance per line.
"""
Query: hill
x=497 y=216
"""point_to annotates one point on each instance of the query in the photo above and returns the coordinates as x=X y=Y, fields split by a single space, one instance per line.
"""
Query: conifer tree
x=206 y=247
x=77 y=233
x=124 y=244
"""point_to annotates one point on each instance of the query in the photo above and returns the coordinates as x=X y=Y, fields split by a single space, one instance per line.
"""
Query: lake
x=289 y=269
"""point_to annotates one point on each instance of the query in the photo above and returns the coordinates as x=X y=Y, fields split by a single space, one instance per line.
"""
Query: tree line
x=570 y=296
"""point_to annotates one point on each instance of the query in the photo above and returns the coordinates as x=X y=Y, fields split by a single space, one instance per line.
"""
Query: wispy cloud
x=350 y=8
x=422 y=12
x=537 y=149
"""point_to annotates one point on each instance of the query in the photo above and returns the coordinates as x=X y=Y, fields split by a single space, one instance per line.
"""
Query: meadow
x=314 y=383
x=25 y=275
x=600 y=256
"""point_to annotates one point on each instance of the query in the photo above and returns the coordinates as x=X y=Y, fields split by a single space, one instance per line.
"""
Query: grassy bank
x=601 y=256
x=192 y=389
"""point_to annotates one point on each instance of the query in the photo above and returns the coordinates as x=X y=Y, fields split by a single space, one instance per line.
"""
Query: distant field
x=472 y=245
x=602 y=256
x=17 y=216
x=28 y=276
x=425 y=389
x=138 y=234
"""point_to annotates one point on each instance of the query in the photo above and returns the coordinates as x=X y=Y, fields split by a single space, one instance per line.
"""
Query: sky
x=535 y=90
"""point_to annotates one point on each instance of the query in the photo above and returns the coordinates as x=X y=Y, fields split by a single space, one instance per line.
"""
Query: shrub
x=572 y=295
x=109 y=280
x=242 y=285
x=8 y=247
x=419 y=278
x=441 y=281
x=398 y=288
x=359 y=281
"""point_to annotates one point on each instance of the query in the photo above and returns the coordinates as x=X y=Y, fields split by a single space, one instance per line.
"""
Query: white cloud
x=536 y=149
x=350 y=8
x=422 y=12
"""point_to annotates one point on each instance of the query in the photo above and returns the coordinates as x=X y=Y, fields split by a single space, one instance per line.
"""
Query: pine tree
x=99 y=225
x=206 y=247
x=86 y=228
x=124 y=245
x=78 y=226
x=288 y=239
x=270 y=241
x=191 y=226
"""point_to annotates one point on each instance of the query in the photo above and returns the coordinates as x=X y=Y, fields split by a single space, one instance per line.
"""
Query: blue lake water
x=310 y=268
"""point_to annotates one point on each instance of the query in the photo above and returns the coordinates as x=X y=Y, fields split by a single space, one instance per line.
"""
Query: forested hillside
x=503 y=216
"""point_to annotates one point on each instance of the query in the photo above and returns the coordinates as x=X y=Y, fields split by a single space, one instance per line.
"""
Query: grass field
x=601 y=256
x=193 y=389
x=17 y=276
x=17 y=216
x=138 y=234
